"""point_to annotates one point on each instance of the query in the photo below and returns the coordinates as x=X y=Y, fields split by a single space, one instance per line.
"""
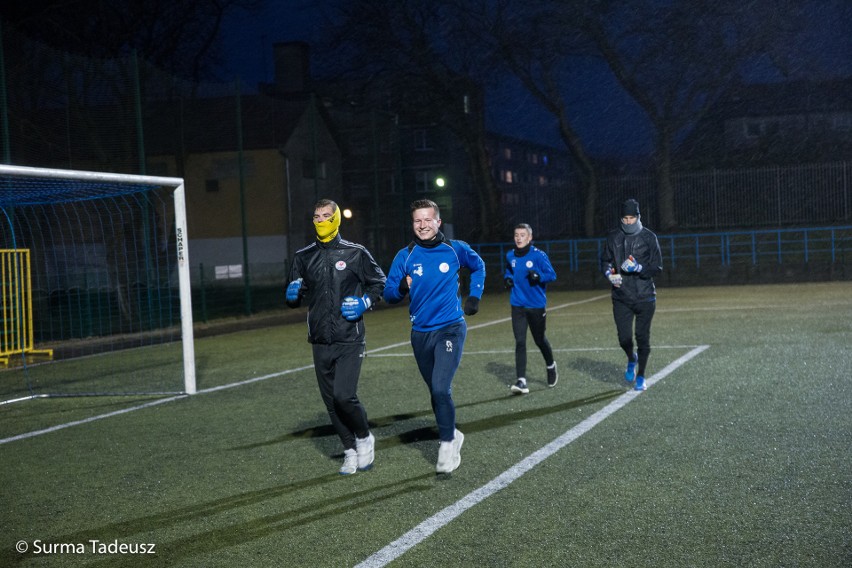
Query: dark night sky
x=608 y=120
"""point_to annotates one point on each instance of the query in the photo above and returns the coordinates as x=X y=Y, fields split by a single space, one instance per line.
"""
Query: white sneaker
x=365 y=448
x=449 y=454
x=520 y=387
x=350 y=462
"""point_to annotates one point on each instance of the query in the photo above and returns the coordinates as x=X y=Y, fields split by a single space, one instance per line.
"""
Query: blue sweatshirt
x=434 y=289
x=518 y=265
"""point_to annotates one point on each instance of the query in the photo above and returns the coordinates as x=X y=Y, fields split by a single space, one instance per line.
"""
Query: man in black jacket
x=340 y=281
x=630 y=261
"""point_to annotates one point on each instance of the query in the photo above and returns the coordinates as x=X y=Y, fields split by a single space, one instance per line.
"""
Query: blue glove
x=630 y=265
x=353 y=308
x=294 y=289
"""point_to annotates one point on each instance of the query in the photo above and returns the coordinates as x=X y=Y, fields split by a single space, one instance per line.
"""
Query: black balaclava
x=631 y=208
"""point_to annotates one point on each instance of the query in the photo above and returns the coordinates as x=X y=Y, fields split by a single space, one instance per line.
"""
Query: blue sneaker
x=630 y=373
x=640 y=383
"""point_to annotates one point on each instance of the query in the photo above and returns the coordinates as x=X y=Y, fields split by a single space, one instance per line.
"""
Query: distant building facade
x=776 y=123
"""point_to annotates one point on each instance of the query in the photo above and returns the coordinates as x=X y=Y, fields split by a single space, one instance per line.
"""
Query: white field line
x=242 y=383
x=425 y=529
x=495 y=322
x=512 y=351
x=148 y=405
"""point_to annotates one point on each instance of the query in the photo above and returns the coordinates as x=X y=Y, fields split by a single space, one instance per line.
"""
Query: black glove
x=403 y=286
x=509 y=282
x=534 y=277
x=471 y=306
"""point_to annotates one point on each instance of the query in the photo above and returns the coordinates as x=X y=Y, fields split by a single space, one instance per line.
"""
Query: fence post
x=805 y=241
x=778 y=240
x=203 y=292
x=778 y=192
x=697 y=251
x=672 y=252
x=715 y=199
x=753 y=249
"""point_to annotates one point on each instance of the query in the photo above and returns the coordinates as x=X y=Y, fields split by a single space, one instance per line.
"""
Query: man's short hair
x=425 y=204
x=524 y=226
x=325 y=203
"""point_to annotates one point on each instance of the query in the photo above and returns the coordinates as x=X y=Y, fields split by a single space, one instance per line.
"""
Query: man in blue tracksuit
x=528 y=271
x=428 y=270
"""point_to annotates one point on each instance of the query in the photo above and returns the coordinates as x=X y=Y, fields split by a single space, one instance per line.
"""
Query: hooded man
x=630 y=261
x=340 y=281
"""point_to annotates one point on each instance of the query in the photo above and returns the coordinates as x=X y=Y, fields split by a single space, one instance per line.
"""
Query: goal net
x=95 y=285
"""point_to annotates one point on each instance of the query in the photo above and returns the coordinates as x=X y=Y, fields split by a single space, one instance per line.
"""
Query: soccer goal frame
x=176 y=185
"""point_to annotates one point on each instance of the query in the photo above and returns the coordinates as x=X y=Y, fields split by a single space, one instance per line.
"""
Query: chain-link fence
x=244 y=223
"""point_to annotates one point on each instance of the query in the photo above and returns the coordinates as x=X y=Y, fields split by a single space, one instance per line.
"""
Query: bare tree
x=420 y=57
x=180 y=36
x=538 y=43
x=675 y=59
x=76 y=68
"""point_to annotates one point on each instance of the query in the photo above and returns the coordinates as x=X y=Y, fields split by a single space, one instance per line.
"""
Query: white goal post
x=84 y=185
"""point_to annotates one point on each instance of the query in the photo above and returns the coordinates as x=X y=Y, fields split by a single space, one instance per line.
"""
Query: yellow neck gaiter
x=327 y=230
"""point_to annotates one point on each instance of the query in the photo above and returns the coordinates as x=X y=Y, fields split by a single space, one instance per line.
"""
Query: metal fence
x=744 y=198
x=793 y=254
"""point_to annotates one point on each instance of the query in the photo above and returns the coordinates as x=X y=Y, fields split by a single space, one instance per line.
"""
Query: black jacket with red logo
x=330 y=272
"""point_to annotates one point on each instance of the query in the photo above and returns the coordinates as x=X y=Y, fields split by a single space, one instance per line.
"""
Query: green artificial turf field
x=739 y=453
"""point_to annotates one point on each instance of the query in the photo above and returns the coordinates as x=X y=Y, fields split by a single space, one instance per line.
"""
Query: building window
x=842 y=122
x=421 y=140
x=507 y=176
x=510 y=199
x=392 y=185
x=754 y=128
x=533 y=158
x=310 y=168
x=507 y=153
x=422 y=182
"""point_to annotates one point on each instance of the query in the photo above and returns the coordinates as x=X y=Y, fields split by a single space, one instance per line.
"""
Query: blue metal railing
x=802 y=245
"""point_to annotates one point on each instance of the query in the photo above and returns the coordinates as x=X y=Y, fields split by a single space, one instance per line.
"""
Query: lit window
x=507 y=153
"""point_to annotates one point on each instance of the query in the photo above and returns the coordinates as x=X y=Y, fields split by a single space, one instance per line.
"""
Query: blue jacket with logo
x=434 y=289
x=518 y=265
